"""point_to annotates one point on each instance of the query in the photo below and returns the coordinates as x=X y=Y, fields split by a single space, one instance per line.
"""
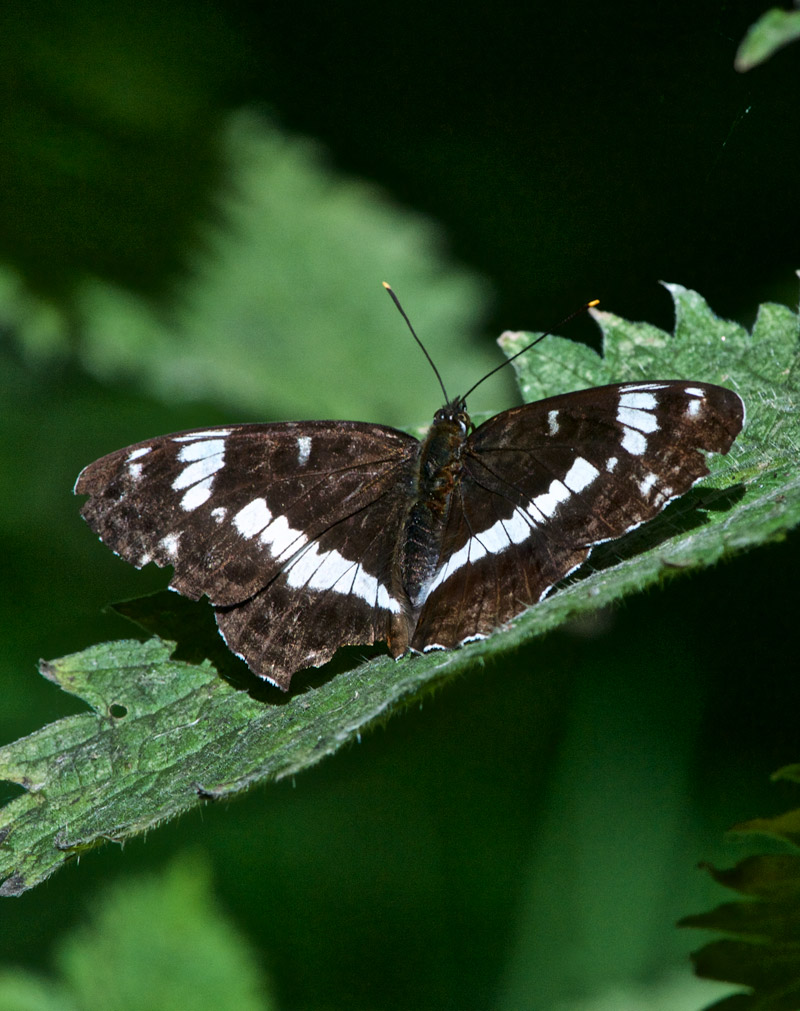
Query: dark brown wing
x=543 y=483
x=289 y=529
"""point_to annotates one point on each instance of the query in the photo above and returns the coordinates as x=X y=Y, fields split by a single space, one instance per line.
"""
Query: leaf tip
x=13 y=886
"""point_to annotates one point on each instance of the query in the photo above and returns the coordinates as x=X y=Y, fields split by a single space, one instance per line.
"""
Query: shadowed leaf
x=764 y=951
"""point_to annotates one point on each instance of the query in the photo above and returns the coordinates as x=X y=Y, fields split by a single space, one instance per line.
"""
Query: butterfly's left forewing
x=543 y=483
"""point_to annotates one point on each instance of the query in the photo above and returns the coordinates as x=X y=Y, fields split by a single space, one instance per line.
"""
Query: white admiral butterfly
x=306 y=536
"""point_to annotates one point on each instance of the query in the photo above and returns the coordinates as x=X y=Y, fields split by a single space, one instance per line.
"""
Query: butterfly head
x=454 y=413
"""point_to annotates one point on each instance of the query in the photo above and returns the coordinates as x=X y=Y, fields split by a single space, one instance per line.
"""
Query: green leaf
x=763 y=952
x=784 y=827
x=772 y=31
x=157 y=942
x=165 y=734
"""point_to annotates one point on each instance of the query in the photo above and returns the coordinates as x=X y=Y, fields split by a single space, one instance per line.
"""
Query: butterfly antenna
x=402 y=312
x=508 y=361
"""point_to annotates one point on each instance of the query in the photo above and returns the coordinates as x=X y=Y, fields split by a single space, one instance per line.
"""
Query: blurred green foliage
x=155 y=943
x=109 y=158
x=283 y=309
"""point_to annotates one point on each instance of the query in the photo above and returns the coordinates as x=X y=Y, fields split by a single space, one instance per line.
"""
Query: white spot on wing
x=219 y=514
x=201 y=450
x=518 y=528
x=252 y=519
x=694 y=391
x=303 y=449
x=494 y=540
x=320 y=570
x=212 y=433
x=197 y=471
x=281 y=539
x=470 y=552
x=547 y=503
x=693 y=407
x=203 y=458
x=317 y=570
x=611 y=464
x=552 y=422
x=384 y=600
x=170 y=545
x=135 y=469
x=634 y=442
x=197 y=495
x=310 y=568
x=636 y=387
x=638 y=400
x=633 y=418
x=647 y=483
x=364 y=585
x=580 y=475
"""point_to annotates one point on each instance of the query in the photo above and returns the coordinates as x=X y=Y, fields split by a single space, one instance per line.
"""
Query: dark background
x=529 y=836
x=592 y=149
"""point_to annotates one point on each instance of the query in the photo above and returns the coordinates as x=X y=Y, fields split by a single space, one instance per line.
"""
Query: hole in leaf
x=118 y=711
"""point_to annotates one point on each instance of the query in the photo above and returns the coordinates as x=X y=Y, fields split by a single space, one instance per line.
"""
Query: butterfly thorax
x=436 y=474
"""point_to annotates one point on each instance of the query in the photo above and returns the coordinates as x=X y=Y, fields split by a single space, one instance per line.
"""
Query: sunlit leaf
x=772 y=31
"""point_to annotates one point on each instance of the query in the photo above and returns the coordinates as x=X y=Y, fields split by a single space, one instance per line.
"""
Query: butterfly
x=307 y=536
